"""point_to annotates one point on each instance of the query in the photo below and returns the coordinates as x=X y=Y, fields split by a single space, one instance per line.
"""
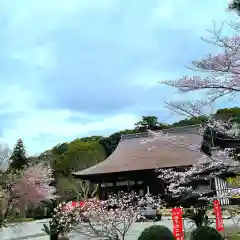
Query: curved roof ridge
x=183 y=129
x=131 y=154
x=134 y=135
x=194 y=126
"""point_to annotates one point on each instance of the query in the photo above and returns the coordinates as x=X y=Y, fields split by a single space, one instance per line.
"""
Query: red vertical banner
x=177 y=223
x=218 y=214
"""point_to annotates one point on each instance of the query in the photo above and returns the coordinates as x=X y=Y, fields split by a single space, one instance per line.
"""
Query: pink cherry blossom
x=28 y=187
x=33 y=185
x=221 y=72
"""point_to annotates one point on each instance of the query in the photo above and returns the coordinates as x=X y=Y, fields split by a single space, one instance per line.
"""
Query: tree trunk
x=54 y=236
x=22 y=209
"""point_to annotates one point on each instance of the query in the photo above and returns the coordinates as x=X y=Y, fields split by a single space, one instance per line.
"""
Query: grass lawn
x=235 y=237
x=19 y=220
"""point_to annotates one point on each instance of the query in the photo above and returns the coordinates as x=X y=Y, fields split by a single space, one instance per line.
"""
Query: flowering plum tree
x=110 y=219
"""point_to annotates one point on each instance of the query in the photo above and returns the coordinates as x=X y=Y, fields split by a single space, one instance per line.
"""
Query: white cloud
x=41 y=129
x=15 y=98
x=195 y=16
x=55 y=125
x=29 y=30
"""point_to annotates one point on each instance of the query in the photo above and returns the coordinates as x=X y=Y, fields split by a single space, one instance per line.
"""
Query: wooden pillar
x=148 y=189
x=135 y=187
x=106 y=193
x=115 y=187
x=100 y=192
x=103 y=191
x=128 y=187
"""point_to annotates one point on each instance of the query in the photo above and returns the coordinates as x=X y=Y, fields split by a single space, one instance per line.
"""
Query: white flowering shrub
x=64 y=219
x=100 y=218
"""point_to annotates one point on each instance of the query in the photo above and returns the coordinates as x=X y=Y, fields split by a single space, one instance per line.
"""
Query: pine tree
x=18 y=158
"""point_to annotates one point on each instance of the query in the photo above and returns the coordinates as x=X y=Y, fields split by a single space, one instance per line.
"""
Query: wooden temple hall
x=132 y=166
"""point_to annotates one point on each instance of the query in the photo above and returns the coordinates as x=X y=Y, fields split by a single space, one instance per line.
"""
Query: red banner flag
x=177 y=223
x=218 y=214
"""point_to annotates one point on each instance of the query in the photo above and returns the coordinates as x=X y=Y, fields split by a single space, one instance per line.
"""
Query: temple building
x=132 y=166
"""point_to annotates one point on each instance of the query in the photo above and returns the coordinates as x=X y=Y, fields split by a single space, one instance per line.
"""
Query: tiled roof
x=131 y=154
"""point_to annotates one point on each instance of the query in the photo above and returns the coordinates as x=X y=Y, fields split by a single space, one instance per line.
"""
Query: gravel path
x=32 y=230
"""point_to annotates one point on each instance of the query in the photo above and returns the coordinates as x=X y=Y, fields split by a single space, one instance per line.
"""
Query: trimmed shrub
x=206 y=233
x=156 y=232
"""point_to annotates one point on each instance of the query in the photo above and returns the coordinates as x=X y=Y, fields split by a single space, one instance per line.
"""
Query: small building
x=132 y=166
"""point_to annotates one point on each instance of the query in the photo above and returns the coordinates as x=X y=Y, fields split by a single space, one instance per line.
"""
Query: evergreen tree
x=18 y=158
x=234 y=5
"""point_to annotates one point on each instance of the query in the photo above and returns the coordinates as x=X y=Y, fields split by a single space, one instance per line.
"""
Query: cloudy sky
x=72 y=68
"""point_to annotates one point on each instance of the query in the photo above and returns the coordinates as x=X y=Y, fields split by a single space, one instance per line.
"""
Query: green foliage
x=156 y=232
x=50 y=204
x=60 y=149
x=71 y=189
x=18 y=158
x=77 y=156
x=234 y=181
x=66 y=187
x=190 y=121
x=234 y=6
x=206 y=233
x=221 y=114
x=149 y=122
x=91 y=139
x=51 y=230
x=229 y=114
x=43 y=210
x=198 y=216
x=234 y=237
x=72 y=157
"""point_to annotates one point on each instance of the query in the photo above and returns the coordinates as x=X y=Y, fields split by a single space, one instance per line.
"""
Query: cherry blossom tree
x=220 y=72
x=31 y=186
x=180 y=183
x=220 y=76
x=216 y=164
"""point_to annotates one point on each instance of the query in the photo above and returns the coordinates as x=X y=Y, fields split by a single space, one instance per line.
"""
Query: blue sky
x=72 y=68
